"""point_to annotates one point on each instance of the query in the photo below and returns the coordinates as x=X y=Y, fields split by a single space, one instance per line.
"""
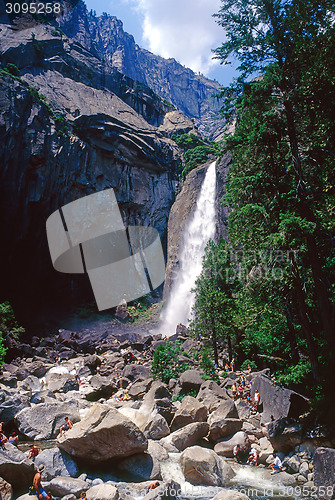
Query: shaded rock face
x=191 y=93
x=183 y=209
x=112 y=141
x=106 y=433
x=15 y=468
x=57 y=463
x=277 y=401
x=324 y=472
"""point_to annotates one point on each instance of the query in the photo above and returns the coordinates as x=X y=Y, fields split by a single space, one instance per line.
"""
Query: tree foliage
x=9 y=327
x=281 y=186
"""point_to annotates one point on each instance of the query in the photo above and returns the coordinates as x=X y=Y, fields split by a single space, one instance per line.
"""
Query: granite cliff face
x=189 y=92
x=183 y=208
x=69 y=127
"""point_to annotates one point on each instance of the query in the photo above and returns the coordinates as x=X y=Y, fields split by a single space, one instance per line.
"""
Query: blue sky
x=182 y=29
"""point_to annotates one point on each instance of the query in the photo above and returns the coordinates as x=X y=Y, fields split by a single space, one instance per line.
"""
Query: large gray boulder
x=324 y=472
x=204 y=466
x=6 y=490
x=103 y=434
x=11 y=402
x=157 y=427
x=31 y=383
x=102 y=492
x=185 y=437
x=61 y=486
x=277 y=401
x=266 y=450
x=222 y=422
x=136 y=372
x=211 y=395
x=65 y=382
x=100 y=387
x=144 y=466
x=191 y=410
x=43 y=421
x=57 y=463
x=15 y=468
x=190 y=380
x=284 y=434
x=225 y=446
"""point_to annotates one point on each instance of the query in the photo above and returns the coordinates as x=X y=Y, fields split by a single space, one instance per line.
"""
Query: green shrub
x=207 y=365
x=246 y=362
x=164 y=365
x=181 y=396
x=8 y=327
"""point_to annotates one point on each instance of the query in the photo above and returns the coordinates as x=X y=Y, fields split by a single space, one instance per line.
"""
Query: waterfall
x=199 y=231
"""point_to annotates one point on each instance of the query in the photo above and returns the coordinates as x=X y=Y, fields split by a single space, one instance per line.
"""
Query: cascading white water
x=198 y=232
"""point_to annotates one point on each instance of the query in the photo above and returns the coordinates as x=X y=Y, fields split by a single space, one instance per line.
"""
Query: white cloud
x=182 y=29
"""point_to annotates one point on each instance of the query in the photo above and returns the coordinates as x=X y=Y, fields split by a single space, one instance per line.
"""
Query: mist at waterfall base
x=198 y=232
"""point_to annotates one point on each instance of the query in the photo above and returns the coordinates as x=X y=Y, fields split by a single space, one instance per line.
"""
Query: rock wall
x=183 y=208
x=189 y=92
x=70 y=128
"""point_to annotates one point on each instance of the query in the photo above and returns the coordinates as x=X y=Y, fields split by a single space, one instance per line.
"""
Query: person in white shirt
x=277 y=465
x=253 y=457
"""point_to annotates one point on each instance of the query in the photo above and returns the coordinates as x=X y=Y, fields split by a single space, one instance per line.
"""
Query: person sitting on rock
x=253 y=457
x=82 y=496
x=67 y=426
x=33 y=452
x=3 y=440
x=277 y=465
x=13 y=439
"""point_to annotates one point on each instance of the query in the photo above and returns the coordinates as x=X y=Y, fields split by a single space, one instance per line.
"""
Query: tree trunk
x=214 y=342
x=305 y=322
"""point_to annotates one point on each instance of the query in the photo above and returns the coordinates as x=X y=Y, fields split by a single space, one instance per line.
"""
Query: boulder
x=11 y=402
x=225 y=446
x=277 y=401
x=42 y=397
x=211 y=395
x=185 y=437
x=102 y=492
x=57 y=463
x=6 y=490
x=140 y=388
x=304 y=470
x=284 y=434
x=324 y=472
x=101 y=387
x=156 y=428
x=190 y=380
x=293 y=463
x=8 y=380
x=204 y=466
x=15 y=468
x=170 y=490
x=141 y=467
x=64 y=382
x=136 y=372
x=31 y=383
x=61 y=486
x=190 y=410
x=43 y=421
x=106 y=433
x=266 y=450
x=230 y=495
x=243 y=409
x=92 y=361
x=221 y=426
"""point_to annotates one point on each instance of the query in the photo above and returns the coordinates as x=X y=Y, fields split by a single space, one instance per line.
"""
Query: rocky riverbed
x=131 y=431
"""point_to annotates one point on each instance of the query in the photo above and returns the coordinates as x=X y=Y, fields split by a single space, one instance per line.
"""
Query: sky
x=182 y=29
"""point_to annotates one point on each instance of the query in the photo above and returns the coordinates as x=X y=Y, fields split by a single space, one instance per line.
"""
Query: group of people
x=13 y=438
x=252 y=458
x=238 y=390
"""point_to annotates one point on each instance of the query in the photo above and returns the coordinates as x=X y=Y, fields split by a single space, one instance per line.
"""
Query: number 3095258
x=33 y=8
